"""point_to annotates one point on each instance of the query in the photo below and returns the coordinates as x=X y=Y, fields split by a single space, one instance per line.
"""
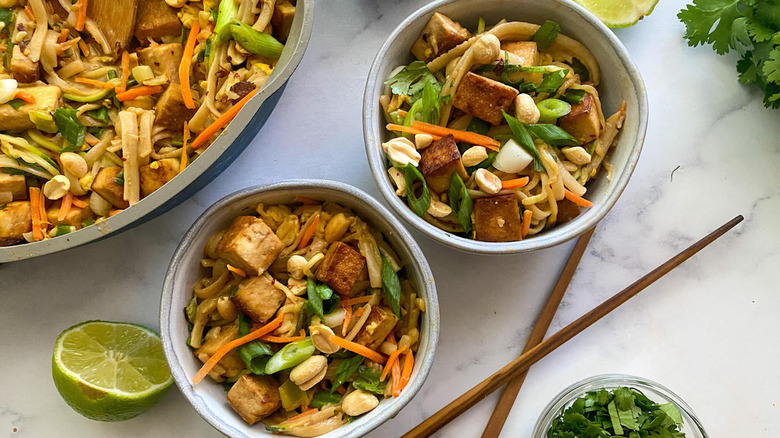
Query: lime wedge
x=619 y=13
x=110 y=371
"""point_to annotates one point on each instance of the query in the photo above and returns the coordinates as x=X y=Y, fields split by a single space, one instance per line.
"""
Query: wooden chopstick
x=522 y=363
x=508 y=396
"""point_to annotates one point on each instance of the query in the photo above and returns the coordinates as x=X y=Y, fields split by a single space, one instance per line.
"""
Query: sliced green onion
x=552 y=81
x=87 y=97
x=391 y=286
x=256 y=42
x=419 y=204
x=460 y=201
x=481 y=25
x=574 y=96
x=43 y=121
x=290 y=355
x=228 y=9
x=63 y=229
x=256 y=356
x=546 y=34
x=551 y=110
x=523 y=138
x=323 y=398
x=552 y=134
x=70 y=127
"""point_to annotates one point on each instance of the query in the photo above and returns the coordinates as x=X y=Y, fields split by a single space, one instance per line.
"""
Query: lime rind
x=619 y=13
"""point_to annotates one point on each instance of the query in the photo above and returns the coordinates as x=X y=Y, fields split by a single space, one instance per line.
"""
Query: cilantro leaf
x=412 y=79
x=546 y=34
x=771 y=68
x=702 y=15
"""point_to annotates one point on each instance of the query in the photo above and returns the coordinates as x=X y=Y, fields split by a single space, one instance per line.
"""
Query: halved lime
x=110 y=371
x=619 y=13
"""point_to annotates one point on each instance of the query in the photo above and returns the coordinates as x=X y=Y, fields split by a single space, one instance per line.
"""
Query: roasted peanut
x=398 y=179
x=401 y=151
x=56 y=187
x=487 y=181
x=320 y=337
x=439 y=209
x=526 y=110
x=359 y=402
x=295 y=266
x=474 y=155
x=337 y=226
x=309 y=372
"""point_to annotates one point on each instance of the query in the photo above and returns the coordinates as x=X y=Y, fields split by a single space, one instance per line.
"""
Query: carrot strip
x=95 y=83
x=137 y=92
x=283 y=339
x=25 y=96
x=67 y=202
x=357 y=348
x=186 y=63
x=359 y=312
x=390 y=362
x=222 y=121
x=29 y=13
x=409 y=130
x=358 y=300
x=526 y=222
x=407 y=372
x=125 y=73
x=237 y=271
x=465 y=136
x=582 y=202
x=35 y=213
x=81 y=17
x=84 y=48
x=514 y=183
x=396 y=379
x=227 y=348
x=347 y=319
x=115 y=211
x=63 y=35
x=305 y=413
x=184 y=156
x=44 y=217
x=307 y=235
x=78 y=202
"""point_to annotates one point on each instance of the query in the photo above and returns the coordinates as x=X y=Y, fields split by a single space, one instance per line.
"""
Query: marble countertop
x=708 y=330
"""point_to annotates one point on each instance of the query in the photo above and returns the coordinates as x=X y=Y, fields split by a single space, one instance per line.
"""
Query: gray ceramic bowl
x=209 y=398
x=620 y=81
x=208 y=166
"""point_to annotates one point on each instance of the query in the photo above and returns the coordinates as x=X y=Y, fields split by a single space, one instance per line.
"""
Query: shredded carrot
x=410 y=130
x=305 y=413
x=63 y=35
x=347 y=319
x=309 y=233
x=407 y=372
x=78 y=202
x=358 y=300
x=115 y=211
x=25 y=96
x=35 y=213
x=390 y=362
x=222 y=121
x=29 y=13
x=305 y=200
x=237 y=271
x=42 y=208
x=81 y=17
x=67 y=202
x=526 y=222
x=186 y=63
x=137 y=92
x=84 y=47
x=95 y=83
x=465 y=136
x=125 y=73
x=357 y=348
x=227 y=348
x=184 y=156
x=359 y=312
x=396 y=391
x=582 y=202
x=514 y=183
x=283 y=339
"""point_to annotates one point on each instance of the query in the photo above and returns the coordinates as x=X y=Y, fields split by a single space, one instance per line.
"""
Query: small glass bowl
x=658 y=393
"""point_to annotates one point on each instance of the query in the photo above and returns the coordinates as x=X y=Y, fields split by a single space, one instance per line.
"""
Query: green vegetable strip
x=289 y=356
x=256 y=42
x=391 y=286
x=418 y=204
x=70 y=127
x=546 y=34
x=228 y=9
x=368 y=380
x=315 y=300
x=345 y=370
x=323 y=398
x=552 y=134
x=523 y=138
x=552 y=81
x=461 y=202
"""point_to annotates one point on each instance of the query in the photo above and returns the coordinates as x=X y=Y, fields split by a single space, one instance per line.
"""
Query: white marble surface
x=708 y=330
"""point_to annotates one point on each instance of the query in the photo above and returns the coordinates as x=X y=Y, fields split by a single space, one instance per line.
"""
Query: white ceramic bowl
x=208 y=398
x=620 y=81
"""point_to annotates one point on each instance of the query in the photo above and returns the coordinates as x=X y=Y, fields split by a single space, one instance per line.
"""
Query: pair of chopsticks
x=513 y=374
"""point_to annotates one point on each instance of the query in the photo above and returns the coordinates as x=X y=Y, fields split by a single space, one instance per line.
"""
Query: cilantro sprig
x=749 y=27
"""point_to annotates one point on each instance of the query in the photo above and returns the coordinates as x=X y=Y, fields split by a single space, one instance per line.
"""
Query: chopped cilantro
x=16 y=103
x=546 y=34
x=412 y=79
x=120 y=178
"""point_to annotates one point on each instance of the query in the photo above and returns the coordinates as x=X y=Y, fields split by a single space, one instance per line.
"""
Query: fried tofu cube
x=379 y=324
x=254 y=397
x=15 y=220
x=155 y=174
x=484 y=98
x=497 y=219
x=258 y=298
x=217 y=338
x=76 y=215
x=440 y=35
x=583 y=121
x=171 y=112
x=567 y=211
x=116 y=19
x=163 y=59
x=341 y=268
x=156 y=20
x=284 y=12
x=47 y=98
x=249 y=244
x=524 y=53
x=13 y=184
x=106 y=186
x=439 y=161
x=22 y=67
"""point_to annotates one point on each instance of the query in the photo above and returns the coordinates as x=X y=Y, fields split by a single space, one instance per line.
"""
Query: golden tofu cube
x=439 y=161
x=15 y=220
x=440 y=35
x=524 y=53
x=258 y=298
x=254 y=397
x=76 y=215
x=484 y=98
x=163 y=58
x=249 y=244
x=341 y=268
x=284 y=12
x=155 y=174
x=13 y=184
x=47 y=98
x=106 y=186
x=23 y=69
x=379 y=324
x=497 y=219
x=170 y=110
x=156 y=20
x=583 y=121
